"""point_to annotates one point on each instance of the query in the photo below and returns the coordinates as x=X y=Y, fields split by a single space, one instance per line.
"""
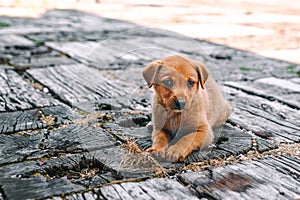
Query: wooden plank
x=245 y=67
x=135 y=191
x=285 y=164
x=4 y=66
x=264 y=145
x=133 y=46
x=17 y=94
x=90 y=196
x=230 y=141
x=74 y=197
x=70 y=140
x=246 y=180
x=19 y=181
x=271 y=88
x=108 y=192
x=62 y=172
x=40 y=61
x=37 y=188
x=11 y=122
x=78 y=83
x=14 y=40
x=16 y=148
x=23 y=57
x=78 y=137
x=150 y=189
x=88 y=88
x=103 y=55
x=82 y=169
x=276 y=121
x=129 y=125
x=98 y=145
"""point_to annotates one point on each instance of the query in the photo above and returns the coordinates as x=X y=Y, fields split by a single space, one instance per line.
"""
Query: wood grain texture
x=17 y=94
x=151 y=189
x=15 y=121
x=259 y=179
x=78 y=83
x=261 y=115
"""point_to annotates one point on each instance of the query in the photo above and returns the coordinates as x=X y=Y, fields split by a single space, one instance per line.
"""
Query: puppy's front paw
x=175 y=153
x=158 y=151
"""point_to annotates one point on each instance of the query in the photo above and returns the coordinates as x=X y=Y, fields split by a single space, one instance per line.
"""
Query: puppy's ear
x=150 y=71
x=202 y=73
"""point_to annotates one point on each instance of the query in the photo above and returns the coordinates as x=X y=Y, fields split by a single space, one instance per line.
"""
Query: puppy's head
x=176 y=80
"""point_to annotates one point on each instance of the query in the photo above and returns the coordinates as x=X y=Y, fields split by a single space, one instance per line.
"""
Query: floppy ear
x=150 y=71
x=202 y=73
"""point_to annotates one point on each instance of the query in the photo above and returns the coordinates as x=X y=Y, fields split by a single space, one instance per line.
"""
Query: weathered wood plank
x=76 y=84
x=285 y=164
x=90 y=196
x=264 y=117
x=84 y=169
x=40 y=61
x=19 y=181
x=62 y=172
x=129 y=125
x=246 y=180
x=70 y=140
x=98 y=144
x=16 y=148
x=134 y=191
x=72 y=197
x=22 y=57
x=4 y=66
x=230 y=141
x=78 y=138
x=138 y=46
x=114 y=53
x=150 y=189
x=17 y=94
x=105 y=31
x=11 y=122
x=271 y=88
x=14 y=40
x=37 y=188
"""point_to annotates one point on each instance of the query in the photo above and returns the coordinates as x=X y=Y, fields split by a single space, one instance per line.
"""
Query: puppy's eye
x=168 y=83
x=190 y=83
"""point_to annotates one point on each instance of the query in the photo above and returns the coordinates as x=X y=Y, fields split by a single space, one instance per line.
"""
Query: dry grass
x=136 y=158
x=93 y=119
x=49 y=120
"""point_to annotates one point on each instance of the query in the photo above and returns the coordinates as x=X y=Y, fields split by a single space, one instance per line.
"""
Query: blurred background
x=270 y=28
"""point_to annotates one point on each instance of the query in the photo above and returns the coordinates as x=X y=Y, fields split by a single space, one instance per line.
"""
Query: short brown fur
x=177 y=132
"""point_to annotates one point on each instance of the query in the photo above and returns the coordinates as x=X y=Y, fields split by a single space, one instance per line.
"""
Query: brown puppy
x=187 y=103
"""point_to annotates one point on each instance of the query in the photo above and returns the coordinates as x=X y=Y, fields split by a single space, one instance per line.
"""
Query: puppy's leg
x=193 y=141
x=160 y=143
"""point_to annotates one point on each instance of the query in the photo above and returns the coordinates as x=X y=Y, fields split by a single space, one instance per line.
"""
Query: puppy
x=186 y=104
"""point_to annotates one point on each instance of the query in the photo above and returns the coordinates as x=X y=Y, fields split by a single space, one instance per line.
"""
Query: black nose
x=179 y=104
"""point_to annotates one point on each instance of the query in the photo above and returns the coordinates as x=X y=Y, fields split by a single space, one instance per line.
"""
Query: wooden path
x=74 y=109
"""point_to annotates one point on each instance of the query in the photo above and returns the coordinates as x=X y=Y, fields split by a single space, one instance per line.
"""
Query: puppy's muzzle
x=179 y=104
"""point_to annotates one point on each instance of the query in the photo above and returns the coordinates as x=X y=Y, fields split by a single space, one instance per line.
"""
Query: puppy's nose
x=179 y=104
